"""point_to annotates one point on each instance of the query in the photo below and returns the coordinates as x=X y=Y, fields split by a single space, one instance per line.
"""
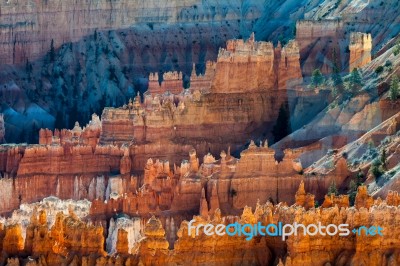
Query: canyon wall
x=206 y=122
x=322 y=44
x=28 y=29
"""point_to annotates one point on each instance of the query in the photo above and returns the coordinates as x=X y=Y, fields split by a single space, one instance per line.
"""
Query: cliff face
x=189 y=120
x=322 y=44
x=50 y=243
x=226 y=102
x=327 y=30
x=107 y=66
x=250 y=65
x=95 y=63
x=28 y=29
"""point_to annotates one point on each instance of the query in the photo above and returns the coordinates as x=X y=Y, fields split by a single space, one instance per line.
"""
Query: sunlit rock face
x=129 y=182
x=248 y=86
x=360 y=50
x=130 y=240
x=247 y=65
x=52 y=206
x=123 y=235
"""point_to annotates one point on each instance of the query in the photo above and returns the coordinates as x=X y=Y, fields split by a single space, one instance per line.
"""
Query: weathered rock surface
x=55 y=245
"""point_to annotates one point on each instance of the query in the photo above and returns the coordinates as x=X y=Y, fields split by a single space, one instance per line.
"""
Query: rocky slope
x=108 y=59
x=105 y=61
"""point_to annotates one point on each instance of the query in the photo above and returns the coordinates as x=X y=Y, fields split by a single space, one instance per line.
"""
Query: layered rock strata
x=50 y=244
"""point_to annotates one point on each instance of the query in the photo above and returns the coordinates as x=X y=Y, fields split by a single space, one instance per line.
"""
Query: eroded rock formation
x=53 y=244
x=246 y=66
x=360 y=49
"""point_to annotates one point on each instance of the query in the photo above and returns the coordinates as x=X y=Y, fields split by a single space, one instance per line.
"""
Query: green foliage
x=353 y=187
x=371 y=145
x=396 y=50
x=337 y=80
x=394 y=92
x=379 y=166
x=377 y=171
x=282 y=126
x=352 y=192
x=333 y=189
x=383 y=160
x=379 y=69
x=317 y=78
x=233 y=192
x=354 y=82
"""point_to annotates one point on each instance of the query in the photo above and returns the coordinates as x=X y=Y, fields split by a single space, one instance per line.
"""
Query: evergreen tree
x=353 y=187
x=336 y=77
x=396 y=50
x=354 y=83
x=317 y=78
x=282 y=127
x=333 y=189
x=394 y=88
x=352 y=192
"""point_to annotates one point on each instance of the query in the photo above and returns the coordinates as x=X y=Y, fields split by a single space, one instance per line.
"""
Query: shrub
x=379 y=70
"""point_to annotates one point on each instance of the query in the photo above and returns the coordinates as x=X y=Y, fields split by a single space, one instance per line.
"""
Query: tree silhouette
x=317 y=78
x=332 y=188
x=336 y=77
x=394 y=89
x=354 y=83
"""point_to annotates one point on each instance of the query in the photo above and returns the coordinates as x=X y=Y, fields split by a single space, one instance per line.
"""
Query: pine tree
x=396 y=50
x=336 y=77
x=394 y=88
x=333 y=189
x=354 y=83
x=352 y=192
x=383 y=159
x=317 y=78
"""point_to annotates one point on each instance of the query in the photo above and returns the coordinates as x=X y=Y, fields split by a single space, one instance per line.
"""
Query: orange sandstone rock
x=360 y=49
